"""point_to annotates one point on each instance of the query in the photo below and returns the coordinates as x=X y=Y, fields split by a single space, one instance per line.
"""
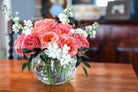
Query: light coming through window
x=102 y=3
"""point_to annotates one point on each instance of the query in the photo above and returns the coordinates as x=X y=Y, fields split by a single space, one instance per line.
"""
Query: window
x=102 y=3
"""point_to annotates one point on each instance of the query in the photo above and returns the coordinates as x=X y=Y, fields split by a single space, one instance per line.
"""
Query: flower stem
x=66 y=73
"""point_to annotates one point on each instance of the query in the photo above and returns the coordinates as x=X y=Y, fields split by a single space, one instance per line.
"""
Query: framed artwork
x=118 y=10
x=82 y=2
x=47 y=6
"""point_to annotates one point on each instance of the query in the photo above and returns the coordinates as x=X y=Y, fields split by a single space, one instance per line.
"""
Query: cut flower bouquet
x=55 y=49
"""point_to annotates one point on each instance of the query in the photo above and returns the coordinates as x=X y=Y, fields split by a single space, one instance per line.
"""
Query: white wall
x=26 y=8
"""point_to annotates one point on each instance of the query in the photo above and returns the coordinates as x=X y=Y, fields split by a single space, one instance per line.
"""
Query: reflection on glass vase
x=52 y=73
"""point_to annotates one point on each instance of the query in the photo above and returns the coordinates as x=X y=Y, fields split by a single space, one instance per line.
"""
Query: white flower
x=81 y=32
x=65 y=59
x=91 y=31
x=88 y=27
x=15 y=28
x=93 y=34
x=57 y=53
x=16 y=19
x=69 y=7
x=63 y=18
x=28 y=23
x=73 y=31
x=16 y=13
x=28 y=27
x=26 y=32
x=71 y=14
x=65 y=10
x=53 y=50
x=65 y=49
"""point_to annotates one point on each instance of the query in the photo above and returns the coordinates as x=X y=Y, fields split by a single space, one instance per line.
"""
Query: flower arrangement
x=59 y=43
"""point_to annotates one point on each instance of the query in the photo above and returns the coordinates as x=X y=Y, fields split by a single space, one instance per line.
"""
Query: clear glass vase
x=52 y=73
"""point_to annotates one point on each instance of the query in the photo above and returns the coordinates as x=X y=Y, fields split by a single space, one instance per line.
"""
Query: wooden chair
x=12 y=38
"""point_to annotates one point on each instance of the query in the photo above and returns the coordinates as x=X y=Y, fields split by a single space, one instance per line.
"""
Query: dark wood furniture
x=116 y=41
x=102 y=77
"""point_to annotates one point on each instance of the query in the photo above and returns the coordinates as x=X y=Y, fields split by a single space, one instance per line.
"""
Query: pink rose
x=46 y=23
x=18 y=44
x=42 y=26
x=71 y=42
x=30 y=42
x=81 y=42
x=39 y=31
x=48 y=38
x=61 y=29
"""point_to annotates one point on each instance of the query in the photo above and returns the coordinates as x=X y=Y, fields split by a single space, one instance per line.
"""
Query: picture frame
x=118 y=10
x=46 y=5
x=74 y=2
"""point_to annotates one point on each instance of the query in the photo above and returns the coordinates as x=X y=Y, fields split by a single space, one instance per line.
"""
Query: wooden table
x=103 y=77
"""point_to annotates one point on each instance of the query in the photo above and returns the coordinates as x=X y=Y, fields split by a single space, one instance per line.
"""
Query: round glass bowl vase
x=52 y=73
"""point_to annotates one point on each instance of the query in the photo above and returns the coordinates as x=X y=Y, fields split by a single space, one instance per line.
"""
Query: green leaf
x=85 y=55
x=4 y=6
x=78 y=62
x=29 y=66
x=42 y=58
x=26 y=50
x=24 y=66
x=86 y=64
x=45 y=57
x=36 y=49
x=35 y=54
x=30 y=58
x=85 y=71
x=83 y=49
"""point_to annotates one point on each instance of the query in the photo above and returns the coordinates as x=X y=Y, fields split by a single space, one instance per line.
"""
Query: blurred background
x=117 y=36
